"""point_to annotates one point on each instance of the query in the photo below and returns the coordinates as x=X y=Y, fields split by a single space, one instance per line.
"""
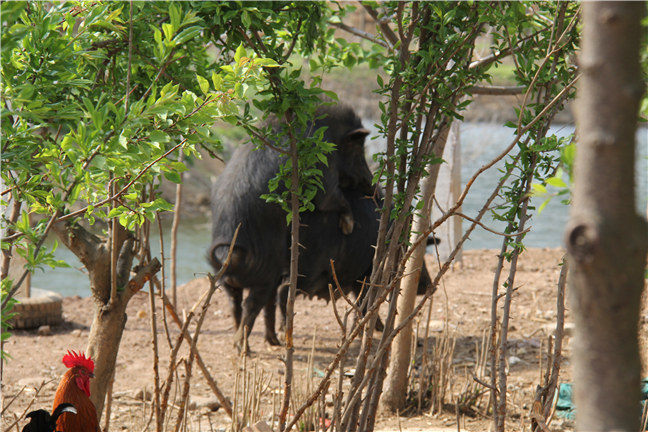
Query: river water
x=480 y=142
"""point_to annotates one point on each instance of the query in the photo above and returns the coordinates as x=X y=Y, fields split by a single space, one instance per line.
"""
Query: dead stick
x=156 y=358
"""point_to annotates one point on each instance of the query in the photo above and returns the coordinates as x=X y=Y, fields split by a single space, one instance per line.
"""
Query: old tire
x=42 y=308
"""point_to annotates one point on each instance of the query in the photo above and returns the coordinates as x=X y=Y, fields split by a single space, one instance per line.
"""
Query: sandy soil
x=463 y=300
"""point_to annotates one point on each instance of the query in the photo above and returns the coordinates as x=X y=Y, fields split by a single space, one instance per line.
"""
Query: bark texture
x=606 y=238
x=395 y=394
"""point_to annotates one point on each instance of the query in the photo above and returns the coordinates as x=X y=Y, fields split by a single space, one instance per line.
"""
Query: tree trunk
x=606 y=238
x=103 y=343
x=455 y=229
x=395 y=393
x=110 y=308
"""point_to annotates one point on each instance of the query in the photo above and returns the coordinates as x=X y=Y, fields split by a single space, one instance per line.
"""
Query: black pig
x=322 y=241
x=260 y=256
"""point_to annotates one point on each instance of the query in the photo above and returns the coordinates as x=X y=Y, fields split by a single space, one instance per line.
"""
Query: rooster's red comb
x=72 y=359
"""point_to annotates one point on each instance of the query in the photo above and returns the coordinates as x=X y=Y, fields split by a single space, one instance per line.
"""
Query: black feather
x=41 y=421
x=64 y=407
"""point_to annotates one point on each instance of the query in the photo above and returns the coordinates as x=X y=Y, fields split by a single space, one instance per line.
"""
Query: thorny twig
x=12 y=400
x=504 y=152
x=38 y=389
x=361 y=33
x=199 y=323
x=162 y=285
x=193 y=340
x=123 y=190
x=156 y=359
x=383 y=24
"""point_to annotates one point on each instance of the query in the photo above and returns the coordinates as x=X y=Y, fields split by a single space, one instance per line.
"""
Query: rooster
x=41 y=421
x=74 y=388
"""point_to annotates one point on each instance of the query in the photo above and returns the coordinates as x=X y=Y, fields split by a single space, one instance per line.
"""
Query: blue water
x=480 y=142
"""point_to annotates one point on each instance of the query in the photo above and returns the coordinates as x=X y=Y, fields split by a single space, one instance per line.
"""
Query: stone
x=436 y=326
x=258 y=427
x=513 y=360
x=550 y=328
x=76 y=333
x=143 y=394
x=44 y=330
x=200 y=402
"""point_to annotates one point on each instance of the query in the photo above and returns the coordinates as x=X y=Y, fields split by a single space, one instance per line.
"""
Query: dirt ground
x=463 y=301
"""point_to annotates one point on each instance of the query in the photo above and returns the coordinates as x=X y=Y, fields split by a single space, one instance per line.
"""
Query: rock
x=203 y=199
x=258 y=427
x=76 y=333
x=44 y=330
x=569 y=328
x=513 y=360
x=436 y=326
x=143 y=394
x=199 y=402
x=550 y=328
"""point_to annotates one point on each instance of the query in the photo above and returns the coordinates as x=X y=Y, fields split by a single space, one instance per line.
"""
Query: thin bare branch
x=383 y=24
x=361 y=33
x=488 y=60
x=31 y=402
x=210 y=380
x=499 y=157
x=174 y=234
x=489 y=229
x=8 y=404
x=339 y=289
x=142 y=275
x=123 y=190
x=496 y=90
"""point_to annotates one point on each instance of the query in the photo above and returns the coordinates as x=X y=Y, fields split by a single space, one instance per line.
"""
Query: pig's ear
x=357 y=134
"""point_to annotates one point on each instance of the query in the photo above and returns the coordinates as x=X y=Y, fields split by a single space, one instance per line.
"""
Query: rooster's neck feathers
x=68 y=391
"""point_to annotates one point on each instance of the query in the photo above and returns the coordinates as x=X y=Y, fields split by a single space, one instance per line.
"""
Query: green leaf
x=245 y=19
x=265 y=62
x=240 y=53
x=173 y=177
x=187 y=34
x=116 y=212
x=203 y=83
x=174 y=16
x=168 y=31
x=557 y=182
x=158 y=136
x=217 y=80
x=538 y=189
x=157 y=36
